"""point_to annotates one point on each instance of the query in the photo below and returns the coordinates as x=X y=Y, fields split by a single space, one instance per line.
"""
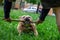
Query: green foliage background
x=47 y=30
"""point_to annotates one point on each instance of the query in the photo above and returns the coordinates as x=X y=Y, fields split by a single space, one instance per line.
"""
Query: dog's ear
x=30 y=18
x=22 y=18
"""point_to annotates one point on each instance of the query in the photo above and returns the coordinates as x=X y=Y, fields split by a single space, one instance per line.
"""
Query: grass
x=47 y=30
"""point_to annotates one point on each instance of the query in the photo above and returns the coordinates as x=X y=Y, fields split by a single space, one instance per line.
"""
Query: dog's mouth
x=27 y=21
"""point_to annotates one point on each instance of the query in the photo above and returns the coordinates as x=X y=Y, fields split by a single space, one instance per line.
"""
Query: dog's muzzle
x=27 y=19
x=27 y=22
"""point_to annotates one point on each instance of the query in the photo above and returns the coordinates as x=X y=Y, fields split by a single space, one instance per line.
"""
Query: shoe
x=39 y=21
x=7 y=19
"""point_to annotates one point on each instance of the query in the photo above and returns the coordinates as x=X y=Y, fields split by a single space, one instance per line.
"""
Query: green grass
x=47 y=30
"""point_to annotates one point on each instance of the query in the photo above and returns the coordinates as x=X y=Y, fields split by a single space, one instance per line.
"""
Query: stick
x=19 y=20
x=16 y=20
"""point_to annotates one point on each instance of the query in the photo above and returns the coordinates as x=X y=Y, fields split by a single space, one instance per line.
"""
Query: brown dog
x=26 y=24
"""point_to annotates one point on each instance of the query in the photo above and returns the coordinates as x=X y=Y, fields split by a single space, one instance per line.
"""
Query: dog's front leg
x=34 y=29
x=19 y=28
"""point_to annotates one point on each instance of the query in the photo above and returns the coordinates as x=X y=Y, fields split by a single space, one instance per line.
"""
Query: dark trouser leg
x=43 y=14
x=7 y=8
x=57 y=12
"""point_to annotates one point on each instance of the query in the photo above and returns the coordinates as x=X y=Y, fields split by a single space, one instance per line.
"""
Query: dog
x=26 y=23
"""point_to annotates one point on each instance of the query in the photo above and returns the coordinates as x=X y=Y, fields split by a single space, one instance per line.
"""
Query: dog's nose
x=27 y=19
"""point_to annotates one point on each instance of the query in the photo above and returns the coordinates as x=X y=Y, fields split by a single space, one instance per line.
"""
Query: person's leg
x=7 y=8
x=43 y=15
x=57 y=11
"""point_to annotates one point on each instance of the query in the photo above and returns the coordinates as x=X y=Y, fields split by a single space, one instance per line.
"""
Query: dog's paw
x=19 y=34
x=36 y=33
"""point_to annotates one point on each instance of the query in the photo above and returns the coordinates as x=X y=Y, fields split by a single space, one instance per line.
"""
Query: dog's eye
x=28 y=17
x=23 y=17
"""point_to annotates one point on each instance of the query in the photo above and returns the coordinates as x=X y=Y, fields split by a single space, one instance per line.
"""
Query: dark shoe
x=7 y=19
x=39 y=21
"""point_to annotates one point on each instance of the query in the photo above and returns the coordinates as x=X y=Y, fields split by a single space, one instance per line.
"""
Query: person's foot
x=7 y=19
x=39 y=21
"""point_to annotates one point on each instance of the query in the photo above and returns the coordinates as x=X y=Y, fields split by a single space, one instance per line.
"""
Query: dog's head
x=26 y=18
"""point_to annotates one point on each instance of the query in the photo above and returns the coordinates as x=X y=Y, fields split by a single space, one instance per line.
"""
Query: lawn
x=47 y=30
